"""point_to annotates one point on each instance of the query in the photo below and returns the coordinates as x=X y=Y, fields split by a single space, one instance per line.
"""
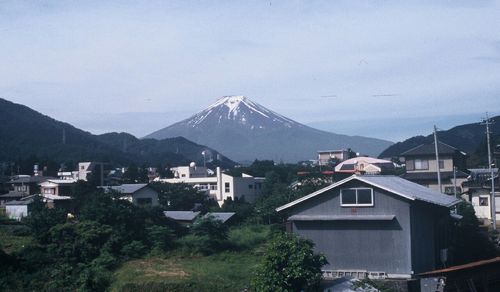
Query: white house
x=478 y=186
x=139 y=194
x=18 y=209
x=218 y=185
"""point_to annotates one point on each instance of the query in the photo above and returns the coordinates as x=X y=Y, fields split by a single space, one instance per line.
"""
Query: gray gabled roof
x=222 y=216
x=390 y=183
x=430 y=149
x=181 y=215
x=126 y=188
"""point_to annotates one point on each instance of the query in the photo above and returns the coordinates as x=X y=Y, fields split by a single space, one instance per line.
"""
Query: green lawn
x=224 y=271
x=13 y=238
x=227 y=271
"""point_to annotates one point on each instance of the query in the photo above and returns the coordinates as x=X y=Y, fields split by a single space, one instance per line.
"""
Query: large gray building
x=378 y=226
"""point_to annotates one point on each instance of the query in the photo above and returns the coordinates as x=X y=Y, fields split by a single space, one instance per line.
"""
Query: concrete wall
x=382 y=246
x=245 y=186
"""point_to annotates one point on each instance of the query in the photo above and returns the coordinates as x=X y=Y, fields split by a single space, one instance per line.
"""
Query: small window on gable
x=356 y=197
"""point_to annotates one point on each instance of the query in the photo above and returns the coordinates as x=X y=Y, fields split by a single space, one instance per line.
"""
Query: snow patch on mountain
x=240 y=109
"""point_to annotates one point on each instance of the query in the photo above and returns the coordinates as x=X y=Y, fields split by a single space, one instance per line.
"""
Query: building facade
x=421 y=167
x=218 y=185
x=374 y=226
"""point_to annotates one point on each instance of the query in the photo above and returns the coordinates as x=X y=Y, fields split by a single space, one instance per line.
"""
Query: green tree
x=470 y=243
x=179 y=196
x=289 y=264
x=41 y=219
x=208 y=235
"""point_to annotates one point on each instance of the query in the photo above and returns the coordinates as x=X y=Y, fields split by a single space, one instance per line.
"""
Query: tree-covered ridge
x=25 y=132
x=470 y=138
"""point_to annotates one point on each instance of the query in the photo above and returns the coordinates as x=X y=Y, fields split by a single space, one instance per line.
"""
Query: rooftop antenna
x=487 y=121
x=437 y=159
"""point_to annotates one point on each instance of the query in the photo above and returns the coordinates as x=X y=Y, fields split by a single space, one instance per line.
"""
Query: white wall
x=16 y=211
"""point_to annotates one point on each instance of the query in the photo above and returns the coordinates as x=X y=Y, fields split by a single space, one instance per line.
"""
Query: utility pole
x=455 y=181
x=437 y=159
x=488 y=122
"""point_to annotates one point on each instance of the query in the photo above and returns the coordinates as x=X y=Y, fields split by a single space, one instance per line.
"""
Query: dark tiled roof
x=429 y=149
x=432 y=175
x=13 y=194
x=29 y=179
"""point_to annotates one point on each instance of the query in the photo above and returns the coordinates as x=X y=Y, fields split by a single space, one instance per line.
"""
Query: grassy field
x=224 y=271
x=221 y=272
x=13 y=237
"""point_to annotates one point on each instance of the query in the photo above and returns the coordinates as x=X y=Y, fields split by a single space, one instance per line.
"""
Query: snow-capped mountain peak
x=241 y=110
x=245 y=130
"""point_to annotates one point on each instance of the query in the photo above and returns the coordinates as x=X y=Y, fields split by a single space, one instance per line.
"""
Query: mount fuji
x=244 y=130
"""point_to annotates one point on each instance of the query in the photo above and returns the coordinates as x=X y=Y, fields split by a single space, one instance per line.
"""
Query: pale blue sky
x=378 y=68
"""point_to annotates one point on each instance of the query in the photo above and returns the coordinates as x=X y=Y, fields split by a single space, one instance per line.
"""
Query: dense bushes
x=80 y=253
x=289 y=264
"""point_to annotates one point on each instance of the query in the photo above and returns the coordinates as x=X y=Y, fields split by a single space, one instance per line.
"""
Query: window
x=258 y=186
x=226 y=187
x=421 y=164
x=250 y=186
x=356 y=197
x=441 y=164
x=483 y=201
x=213 y=187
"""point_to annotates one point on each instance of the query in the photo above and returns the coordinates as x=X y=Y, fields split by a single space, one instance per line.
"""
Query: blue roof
x=126 y=188
x=390 y=183
x=222 y=216
x=181 y=215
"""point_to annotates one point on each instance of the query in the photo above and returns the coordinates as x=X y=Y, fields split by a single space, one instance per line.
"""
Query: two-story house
x=326 y=157
x=218 y=185
x=421 y=167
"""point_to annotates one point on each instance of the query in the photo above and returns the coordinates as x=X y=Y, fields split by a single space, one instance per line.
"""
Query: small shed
x=18 y=209
x=139 y=194
x=374 y=226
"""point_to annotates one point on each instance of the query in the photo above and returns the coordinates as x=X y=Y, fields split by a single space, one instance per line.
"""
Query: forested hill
x=470 y=138
x=25 y=132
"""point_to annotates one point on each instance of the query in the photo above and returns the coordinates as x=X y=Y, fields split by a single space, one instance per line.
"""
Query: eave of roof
x=342 y=217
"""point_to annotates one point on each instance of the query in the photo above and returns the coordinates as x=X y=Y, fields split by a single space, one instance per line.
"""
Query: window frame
x=421 y=162
x=356 y=193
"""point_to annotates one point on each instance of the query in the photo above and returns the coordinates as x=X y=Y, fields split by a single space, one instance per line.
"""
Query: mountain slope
x=25 y=132
x=245 y=130
x=466 y=137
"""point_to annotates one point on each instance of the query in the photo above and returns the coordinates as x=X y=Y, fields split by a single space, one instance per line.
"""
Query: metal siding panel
x=423 y=240
x=373 y=246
